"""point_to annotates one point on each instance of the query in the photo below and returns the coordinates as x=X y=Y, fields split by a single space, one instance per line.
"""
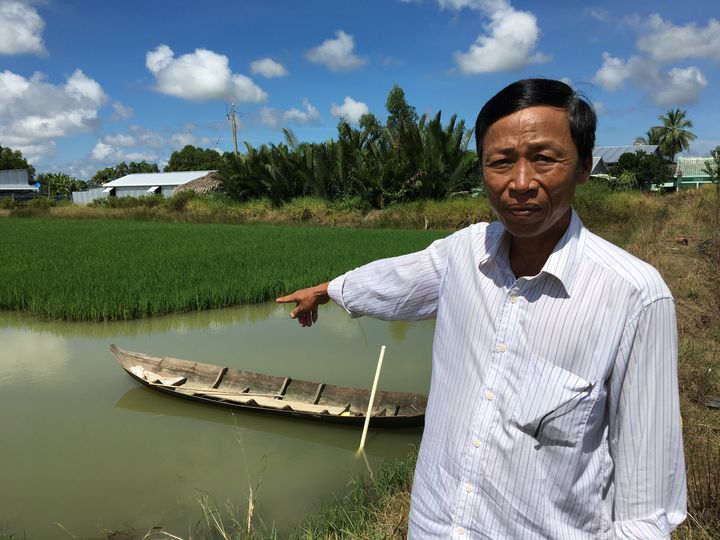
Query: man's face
x=531 y=167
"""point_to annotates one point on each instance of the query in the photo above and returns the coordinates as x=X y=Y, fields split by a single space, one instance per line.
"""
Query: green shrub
x=8 y=203
x=180 y=200
x=146 y=201
x=41 y=203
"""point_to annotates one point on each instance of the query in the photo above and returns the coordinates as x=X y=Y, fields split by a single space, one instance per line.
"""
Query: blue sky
x=87 y=84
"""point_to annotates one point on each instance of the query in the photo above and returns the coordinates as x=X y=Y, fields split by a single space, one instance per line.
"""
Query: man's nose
x=524 y=176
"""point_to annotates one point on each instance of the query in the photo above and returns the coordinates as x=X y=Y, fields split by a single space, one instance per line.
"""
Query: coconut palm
x=675 y=134
x=652 y=136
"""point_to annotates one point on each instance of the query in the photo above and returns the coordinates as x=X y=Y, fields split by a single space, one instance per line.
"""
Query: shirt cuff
x=655 y=526
x=334 y=290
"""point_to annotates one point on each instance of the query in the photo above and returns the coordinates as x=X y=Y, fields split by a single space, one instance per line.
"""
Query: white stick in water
x=372 y=398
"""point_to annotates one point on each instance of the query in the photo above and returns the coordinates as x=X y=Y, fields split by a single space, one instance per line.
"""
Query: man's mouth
x=523 y=210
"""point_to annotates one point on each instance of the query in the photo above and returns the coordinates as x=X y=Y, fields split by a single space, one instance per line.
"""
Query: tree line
x=407 y=158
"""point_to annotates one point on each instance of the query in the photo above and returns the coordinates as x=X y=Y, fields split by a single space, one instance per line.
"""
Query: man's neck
x=529 y=255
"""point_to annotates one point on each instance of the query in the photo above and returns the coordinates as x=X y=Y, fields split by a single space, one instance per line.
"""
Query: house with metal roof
x=690 y=172
x=14 y=183
x=143 y=184
x=611 y=154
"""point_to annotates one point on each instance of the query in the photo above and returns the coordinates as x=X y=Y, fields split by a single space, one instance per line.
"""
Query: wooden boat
x=279 y=395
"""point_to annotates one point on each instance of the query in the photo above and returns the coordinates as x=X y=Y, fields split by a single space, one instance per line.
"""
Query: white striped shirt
x=553 y=409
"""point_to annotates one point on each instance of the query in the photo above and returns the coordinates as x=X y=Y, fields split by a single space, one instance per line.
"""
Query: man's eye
x=498 y=163
x=545 y=159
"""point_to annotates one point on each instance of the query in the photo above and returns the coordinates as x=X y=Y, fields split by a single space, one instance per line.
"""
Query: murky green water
x=84 y=446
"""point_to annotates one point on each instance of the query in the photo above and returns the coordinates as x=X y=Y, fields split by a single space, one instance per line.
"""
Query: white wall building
x=144 y=184
x=14 y=183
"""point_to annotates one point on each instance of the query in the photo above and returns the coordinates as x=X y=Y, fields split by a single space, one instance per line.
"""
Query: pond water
x=85 y=448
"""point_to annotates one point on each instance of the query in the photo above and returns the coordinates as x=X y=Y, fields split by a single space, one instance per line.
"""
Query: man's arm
x=645 y=429
x=401 y=288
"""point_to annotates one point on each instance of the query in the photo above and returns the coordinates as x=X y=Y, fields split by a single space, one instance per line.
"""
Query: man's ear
x=583 y=172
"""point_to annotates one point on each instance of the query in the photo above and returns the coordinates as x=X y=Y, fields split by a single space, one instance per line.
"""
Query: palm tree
x=652 y=136
x=674 y=133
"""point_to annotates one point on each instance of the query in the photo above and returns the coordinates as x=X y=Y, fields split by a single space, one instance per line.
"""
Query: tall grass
x=110 y=270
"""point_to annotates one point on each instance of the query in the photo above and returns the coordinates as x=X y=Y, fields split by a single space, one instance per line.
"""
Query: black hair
x=538 y=92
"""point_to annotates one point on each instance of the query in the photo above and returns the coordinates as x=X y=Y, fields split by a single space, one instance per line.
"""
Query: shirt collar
x=566 y=257
x=563 y=261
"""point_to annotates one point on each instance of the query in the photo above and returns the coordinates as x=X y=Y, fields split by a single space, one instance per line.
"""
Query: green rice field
x=107 y=270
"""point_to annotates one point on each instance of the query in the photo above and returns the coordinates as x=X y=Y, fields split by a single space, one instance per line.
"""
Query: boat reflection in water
x=144 y=400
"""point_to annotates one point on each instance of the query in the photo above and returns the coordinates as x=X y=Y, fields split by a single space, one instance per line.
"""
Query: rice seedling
x=111 y=270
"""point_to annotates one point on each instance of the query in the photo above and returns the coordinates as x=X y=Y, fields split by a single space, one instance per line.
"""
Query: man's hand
x=306 y=303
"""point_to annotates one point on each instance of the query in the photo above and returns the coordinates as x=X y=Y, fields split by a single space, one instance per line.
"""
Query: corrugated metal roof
x=14 y=177
x=692 y=167
x=611 y=154
x=157 y=179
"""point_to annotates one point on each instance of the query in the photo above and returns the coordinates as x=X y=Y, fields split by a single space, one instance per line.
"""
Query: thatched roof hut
x=210 y=183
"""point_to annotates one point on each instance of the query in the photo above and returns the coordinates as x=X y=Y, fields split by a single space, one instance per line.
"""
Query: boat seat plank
x=320 y=389
x=219 y=378
x=284 y=386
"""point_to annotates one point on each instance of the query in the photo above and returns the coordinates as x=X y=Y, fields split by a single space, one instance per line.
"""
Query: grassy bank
x=595 y=202
x=113 y=269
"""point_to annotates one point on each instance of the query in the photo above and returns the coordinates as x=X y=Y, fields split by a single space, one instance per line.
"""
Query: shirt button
x=460 y=531
x=476 y=443
x=490 y=396
x=468 y=488
x=502 y=347
x=513 y=299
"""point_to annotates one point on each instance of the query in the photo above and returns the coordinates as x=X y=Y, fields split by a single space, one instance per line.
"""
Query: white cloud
x=275 y=118
x=20 y=29
x=199 y=76
x=661 y=43
x=600 y=107
x=675 y=87
x=350 y=110
x=337 y=54
x=665 y=42
x=102 y=151
x=681 y=86
x=34 y=112
x=267 y=67
x=509 y=43
x=599 y=14
x=186 y=136
x=141 y=144
x=457 y=5
x=120 y=139
x=121 y=111
x=613 y=73
x=147 y=137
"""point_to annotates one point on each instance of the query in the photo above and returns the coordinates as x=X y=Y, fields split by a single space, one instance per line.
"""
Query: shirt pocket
x=554 y=404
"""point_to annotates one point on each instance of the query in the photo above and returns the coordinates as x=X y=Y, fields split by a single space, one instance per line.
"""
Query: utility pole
x=231 y=115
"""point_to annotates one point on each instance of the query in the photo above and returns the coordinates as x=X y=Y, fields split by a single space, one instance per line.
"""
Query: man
x=553 y=409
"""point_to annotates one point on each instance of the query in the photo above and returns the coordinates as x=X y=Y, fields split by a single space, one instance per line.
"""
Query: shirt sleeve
x=400 y=288
x=645 y=438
